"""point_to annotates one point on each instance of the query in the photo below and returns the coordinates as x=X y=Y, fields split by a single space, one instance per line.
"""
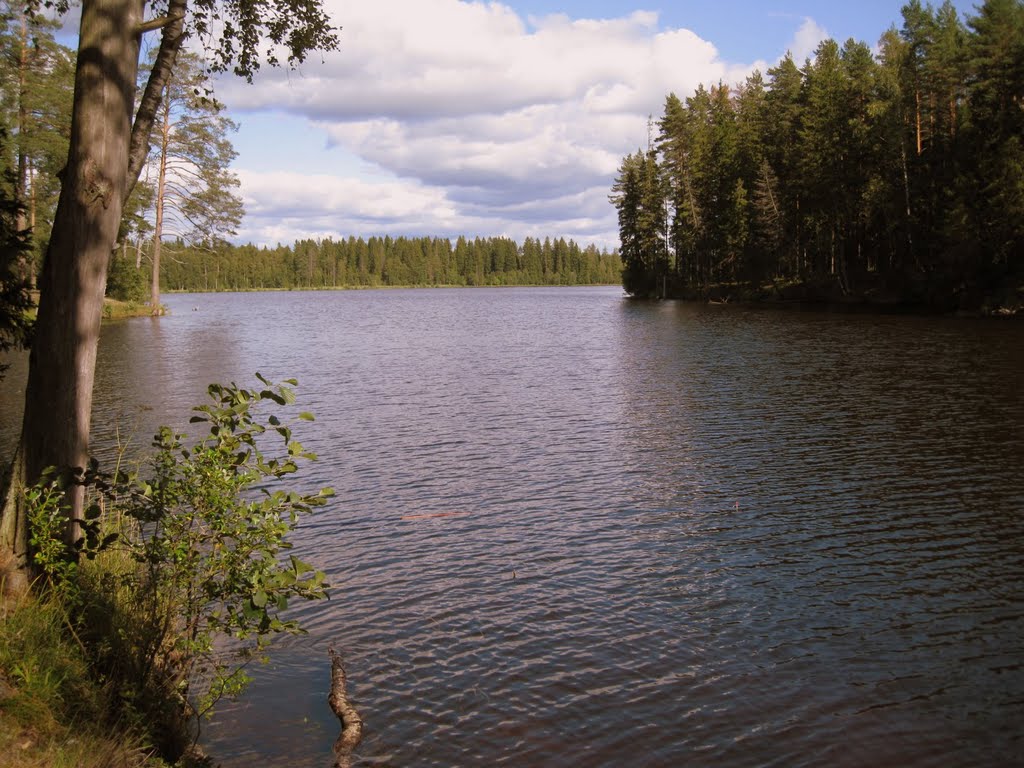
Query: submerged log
x=351 y=723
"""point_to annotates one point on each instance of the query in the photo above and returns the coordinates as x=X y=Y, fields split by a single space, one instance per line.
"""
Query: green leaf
x=259 y=599
x=306 y=416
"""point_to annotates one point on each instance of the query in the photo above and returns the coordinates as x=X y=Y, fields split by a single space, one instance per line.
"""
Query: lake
x=576 y=530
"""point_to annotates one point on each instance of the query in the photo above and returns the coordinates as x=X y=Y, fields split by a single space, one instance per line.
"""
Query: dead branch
x=160 y=23
x=351 y=723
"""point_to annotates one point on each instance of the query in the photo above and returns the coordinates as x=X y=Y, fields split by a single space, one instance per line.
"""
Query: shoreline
x=1004 y=301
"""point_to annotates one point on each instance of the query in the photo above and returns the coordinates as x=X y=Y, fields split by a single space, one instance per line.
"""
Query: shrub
x=185 y=576
x=125 y=281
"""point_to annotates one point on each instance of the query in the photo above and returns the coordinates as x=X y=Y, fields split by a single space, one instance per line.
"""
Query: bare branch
x=154 y=24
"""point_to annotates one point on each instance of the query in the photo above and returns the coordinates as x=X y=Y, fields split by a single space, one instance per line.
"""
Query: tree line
x=897 y=175
x=373 y=262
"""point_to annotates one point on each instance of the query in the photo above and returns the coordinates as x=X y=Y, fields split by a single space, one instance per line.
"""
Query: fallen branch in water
x=351 y=723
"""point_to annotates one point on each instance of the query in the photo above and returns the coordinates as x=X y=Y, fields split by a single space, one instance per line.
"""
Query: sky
x=446 y=117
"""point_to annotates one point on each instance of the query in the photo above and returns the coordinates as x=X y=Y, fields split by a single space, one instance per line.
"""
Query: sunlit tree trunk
x=158 y=227
x=55 y=429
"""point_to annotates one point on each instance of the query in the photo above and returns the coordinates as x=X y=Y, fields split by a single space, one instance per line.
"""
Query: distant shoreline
x=328 y=288
x=1002 y=300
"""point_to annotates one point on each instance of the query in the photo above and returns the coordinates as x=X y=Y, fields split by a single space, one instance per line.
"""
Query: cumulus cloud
x=479 y=121
x=807 y=38
x=284 y=205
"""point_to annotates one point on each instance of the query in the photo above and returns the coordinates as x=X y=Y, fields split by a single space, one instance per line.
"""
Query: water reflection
x=685 y=535
x=870 y=484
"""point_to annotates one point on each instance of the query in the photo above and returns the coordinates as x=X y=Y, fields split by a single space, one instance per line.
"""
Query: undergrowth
x=179 y=580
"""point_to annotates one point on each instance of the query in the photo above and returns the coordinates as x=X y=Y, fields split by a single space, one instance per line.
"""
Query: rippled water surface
x=681 y=535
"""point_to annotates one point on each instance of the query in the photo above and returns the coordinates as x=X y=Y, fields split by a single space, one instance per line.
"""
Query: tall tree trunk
x=917 y=120
x=21 y=183
x=158 y=225
x=58 y=402
x=24 y=219
x=909 y=212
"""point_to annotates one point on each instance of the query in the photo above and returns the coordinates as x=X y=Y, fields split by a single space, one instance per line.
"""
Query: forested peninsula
x=893 y=176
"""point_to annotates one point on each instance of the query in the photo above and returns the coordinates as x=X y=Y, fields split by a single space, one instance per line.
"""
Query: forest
x=375 y=262
x=891 y=175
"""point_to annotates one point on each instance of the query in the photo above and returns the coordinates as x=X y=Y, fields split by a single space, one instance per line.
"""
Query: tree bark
x=351 y=723
x=58 y=400
x=16 y=572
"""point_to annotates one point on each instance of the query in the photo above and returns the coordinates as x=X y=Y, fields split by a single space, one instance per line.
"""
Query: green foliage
x=187 y=576
x=387 y=261
x=36 y=84
x=125 y=281
x=232 y=31
x=896 y=176
x=214 y=552
x=15 y=272
x=191 y=156
x=47 y=520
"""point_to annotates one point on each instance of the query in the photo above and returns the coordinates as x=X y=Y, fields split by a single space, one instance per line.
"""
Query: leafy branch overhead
x=232 y=31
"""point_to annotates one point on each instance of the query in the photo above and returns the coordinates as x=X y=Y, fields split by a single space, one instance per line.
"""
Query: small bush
x=181 y=577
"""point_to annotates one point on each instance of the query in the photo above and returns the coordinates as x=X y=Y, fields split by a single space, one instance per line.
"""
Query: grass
x=112 y=308
x=70 y=691
x=118 y=310
x=53 y=712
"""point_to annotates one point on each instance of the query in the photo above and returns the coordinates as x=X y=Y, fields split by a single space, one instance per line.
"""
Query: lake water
x=683 y=534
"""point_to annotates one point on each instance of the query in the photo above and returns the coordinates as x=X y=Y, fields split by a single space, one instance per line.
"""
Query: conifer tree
x=195 y=196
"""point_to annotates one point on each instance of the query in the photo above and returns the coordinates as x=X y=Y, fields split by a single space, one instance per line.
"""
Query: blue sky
x=441 y=117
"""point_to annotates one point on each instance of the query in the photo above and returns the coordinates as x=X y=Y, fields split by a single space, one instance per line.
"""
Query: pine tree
x=995 y=52
x=195 y=189
x=36 y=84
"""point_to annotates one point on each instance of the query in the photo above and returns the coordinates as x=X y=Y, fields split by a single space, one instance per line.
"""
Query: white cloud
x=477 y=120
x=321 y=205
x=806 y=40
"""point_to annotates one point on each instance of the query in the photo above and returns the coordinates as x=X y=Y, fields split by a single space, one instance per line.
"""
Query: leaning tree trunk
x=58 y=400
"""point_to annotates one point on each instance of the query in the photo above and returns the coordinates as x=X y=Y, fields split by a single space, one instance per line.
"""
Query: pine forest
x=891 y=175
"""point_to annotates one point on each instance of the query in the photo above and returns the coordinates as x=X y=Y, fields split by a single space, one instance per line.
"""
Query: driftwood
x=351 y=723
